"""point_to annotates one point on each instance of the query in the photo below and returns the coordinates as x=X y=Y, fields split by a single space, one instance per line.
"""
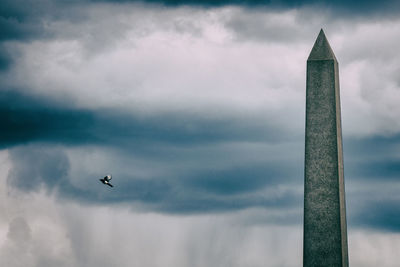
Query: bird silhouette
x=106 y=180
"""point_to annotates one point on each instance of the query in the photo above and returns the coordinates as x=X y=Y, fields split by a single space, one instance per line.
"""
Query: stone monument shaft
x=325 y=230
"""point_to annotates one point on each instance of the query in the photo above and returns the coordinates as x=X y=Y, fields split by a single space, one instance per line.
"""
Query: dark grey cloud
x=355 y=6
x=21 y=20
x=50 y=128
x=29 y=118
x=371 y=169
x=374 y=211
x=372 y=158
x=237 y=179
x=5 y=59
x=383 y=169
x=38 y=166
x=382 y=215
x=193 y=192
x=37 y=131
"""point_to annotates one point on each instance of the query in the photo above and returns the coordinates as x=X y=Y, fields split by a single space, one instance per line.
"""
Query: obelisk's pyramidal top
x=321 y=49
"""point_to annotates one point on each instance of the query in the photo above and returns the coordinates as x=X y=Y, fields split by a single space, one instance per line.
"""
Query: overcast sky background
x=197 y=109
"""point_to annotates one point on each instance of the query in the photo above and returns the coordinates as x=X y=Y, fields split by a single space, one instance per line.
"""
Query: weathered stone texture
x=325 y=234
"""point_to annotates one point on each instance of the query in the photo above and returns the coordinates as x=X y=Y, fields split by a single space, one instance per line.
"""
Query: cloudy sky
x=197 y=109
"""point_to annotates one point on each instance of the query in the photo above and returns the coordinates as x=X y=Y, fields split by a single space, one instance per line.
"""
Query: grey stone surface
x=325 y=231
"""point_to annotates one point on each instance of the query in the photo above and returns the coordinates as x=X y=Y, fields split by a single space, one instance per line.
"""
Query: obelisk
x=325 y=230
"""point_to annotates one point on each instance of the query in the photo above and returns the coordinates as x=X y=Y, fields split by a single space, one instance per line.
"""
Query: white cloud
x=370 y=249
x=369 y=81
x=187 y=63
x=31 y=232
x=76 y=235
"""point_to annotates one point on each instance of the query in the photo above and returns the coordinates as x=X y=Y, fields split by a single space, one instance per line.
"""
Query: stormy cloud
x=30 y=119
x=197 y=110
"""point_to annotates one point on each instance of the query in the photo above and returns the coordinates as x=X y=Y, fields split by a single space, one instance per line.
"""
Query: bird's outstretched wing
x=110 y=184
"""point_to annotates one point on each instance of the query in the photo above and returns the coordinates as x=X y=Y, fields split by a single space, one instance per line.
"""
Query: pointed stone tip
x=321 y=49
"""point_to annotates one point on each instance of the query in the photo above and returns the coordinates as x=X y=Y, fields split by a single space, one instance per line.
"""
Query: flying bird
x=106 y=180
